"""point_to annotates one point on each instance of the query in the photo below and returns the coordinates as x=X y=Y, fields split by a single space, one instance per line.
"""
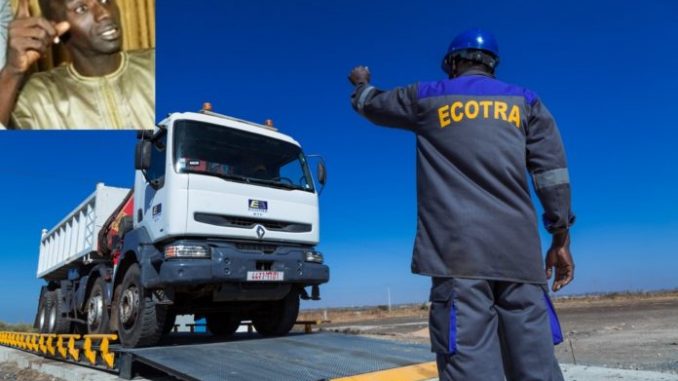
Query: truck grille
x=249 y=223
x=266 y=249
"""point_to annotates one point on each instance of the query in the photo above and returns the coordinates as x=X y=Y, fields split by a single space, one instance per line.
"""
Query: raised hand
x=359 y=75
x=29 y=38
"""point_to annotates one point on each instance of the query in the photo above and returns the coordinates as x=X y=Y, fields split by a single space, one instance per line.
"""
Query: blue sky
x=607 y=71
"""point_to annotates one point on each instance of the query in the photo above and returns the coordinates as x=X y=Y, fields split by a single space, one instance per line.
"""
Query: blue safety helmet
x=469 y=41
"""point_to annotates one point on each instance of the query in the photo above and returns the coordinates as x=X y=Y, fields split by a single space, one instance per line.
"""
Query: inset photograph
x=77 y=64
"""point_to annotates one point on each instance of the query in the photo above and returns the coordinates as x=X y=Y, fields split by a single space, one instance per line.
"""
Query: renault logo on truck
x=260 y=231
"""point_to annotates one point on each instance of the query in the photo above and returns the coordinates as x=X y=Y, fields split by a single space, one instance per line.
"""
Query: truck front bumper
x=231 y=263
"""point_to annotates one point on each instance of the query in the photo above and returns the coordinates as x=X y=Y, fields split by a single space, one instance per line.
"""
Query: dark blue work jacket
x=478 y=140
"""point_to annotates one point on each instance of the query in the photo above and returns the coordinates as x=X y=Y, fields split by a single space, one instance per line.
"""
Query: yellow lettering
x=455 y=106
x=514 y=117
x=486 y=108
x=467 y=110
x=471 y=109
x=500 y=109
x=444 y=115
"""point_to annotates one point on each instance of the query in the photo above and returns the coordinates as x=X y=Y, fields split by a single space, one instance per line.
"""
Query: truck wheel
x=141 y=321
x=51 y=312
x=222 y=325
x=45 y=309
x=278 y=318
x=57 y=313
x=97 y=312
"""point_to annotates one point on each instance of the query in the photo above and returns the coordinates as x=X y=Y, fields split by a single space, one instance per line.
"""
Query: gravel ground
x=637 y=334
x=10 y=371
x=590 y=373
x=16 y=365
x=625 y=333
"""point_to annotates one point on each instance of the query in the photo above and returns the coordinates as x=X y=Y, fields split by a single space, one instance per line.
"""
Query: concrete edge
x=53 y=368
x=597 y=373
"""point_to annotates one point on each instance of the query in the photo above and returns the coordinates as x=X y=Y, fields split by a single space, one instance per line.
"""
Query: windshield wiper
x=242 y=179
x=250 y=180
x=273 y=183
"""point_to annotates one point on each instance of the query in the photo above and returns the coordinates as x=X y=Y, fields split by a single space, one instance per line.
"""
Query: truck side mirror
x=322 y=173
x=142 y=157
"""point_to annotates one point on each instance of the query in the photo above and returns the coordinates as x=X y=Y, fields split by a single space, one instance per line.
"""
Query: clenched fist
x=359 y=75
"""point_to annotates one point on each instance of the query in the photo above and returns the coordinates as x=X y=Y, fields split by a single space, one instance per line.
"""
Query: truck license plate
x=265 y=276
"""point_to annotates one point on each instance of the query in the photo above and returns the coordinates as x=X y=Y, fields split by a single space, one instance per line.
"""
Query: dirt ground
x=628 y=331
x=12 y=372
x=623 y=333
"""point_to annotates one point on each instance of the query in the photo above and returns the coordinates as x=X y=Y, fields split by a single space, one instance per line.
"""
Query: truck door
x=150 y=191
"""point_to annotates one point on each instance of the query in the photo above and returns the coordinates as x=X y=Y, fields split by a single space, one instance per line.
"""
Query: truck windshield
x=239 y=156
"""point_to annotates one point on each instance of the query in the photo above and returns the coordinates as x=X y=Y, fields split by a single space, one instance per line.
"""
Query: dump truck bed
x=76 y=235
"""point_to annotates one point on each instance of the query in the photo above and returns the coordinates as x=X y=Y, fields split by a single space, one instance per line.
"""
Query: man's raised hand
x=359 y=75
x=29 y=38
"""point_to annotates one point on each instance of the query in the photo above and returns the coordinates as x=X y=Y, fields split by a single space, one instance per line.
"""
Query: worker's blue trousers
x=487 y=330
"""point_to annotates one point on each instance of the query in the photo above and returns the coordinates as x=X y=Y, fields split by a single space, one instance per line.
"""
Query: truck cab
x=225 y=225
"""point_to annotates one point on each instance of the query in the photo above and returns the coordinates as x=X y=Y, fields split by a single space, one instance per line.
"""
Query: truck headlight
x=187 y=251
x=314 y=256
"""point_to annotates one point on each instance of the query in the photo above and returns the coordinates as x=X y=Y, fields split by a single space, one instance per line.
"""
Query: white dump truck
x=222 y=223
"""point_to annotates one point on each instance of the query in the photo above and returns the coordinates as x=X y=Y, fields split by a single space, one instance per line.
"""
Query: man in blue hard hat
x=477 y=234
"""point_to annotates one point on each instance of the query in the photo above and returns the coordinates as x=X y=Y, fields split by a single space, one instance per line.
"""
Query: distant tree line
x=19 y=327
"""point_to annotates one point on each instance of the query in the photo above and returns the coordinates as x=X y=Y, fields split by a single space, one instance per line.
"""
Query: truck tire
x=43 y=316
x=222 y=325
x=278 y=318
x=58 y=313
x=141 y=320
x=98 y=315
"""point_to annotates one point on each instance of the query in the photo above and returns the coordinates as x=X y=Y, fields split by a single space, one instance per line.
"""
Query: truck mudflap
x=232 y=263
x=41 y=301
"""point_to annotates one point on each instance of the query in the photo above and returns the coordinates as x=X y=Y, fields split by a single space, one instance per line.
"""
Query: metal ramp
x=312 y=357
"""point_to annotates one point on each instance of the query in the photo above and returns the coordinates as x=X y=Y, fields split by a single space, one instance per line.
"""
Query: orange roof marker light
x=268 y=122
x=207 y=106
